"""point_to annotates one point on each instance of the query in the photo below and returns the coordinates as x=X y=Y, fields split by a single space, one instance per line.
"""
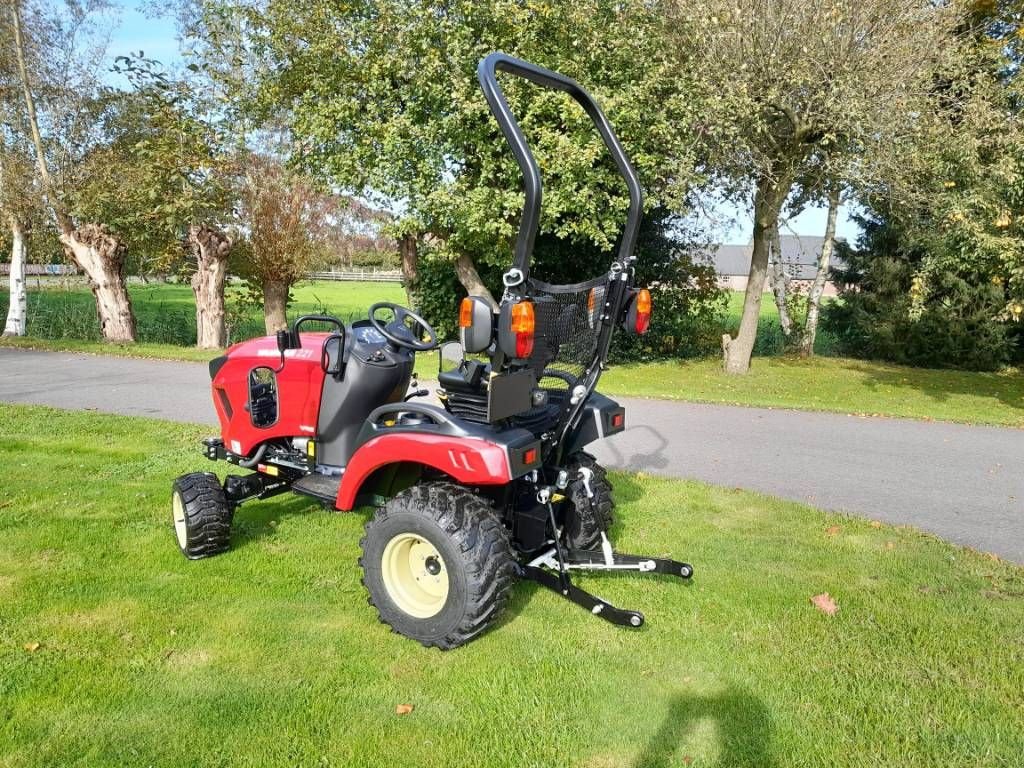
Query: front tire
x=438 y=564
x=201 y=515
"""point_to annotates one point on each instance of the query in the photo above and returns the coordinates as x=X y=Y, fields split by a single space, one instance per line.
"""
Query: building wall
x=738 y=283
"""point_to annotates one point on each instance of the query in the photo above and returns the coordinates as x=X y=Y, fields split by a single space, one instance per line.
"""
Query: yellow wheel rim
x=415 y=575
x=178 y=514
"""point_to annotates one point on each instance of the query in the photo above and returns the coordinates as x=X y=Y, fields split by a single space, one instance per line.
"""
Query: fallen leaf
x=890 y=545
x=875 y=524
x=825 y=604
x=832 y=530
x=687 y=760
x=32 y=647
x=403 y=709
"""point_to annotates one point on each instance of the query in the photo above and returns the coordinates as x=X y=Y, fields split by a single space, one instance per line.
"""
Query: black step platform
x=322 y=487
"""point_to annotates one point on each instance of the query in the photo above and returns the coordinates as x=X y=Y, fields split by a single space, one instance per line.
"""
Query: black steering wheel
x=399 y=331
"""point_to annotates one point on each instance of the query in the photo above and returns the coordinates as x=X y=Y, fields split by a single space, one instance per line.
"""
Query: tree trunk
x=407 y=247
x=818 y=286
x=17 y=311
x=470 y=279
x=768 y=200
x=275 y=305
x=780 y=283
x=211 y=248
x=101 y=256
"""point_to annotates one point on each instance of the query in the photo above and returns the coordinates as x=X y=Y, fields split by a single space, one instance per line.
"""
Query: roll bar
x=487 y=75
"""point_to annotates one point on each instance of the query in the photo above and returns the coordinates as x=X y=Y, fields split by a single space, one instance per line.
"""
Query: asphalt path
x=961 y=482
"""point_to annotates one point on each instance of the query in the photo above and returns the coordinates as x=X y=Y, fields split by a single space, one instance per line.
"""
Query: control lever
x=417 y=391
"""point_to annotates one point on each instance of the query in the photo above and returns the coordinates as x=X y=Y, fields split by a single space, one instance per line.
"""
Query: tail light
x=642 y=304
x=522 y=327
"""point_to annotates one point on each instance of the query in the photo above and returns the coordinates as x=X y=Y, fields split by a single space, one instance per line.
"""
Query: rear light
x=466 y=313
x=618 y=419
x=522 y=327
x=529 y=456
x=592 y=302
x=643 y=310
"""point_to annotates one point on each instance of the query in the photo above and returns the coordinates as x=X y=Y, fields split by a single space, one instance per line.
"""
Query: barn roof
x=799 y=254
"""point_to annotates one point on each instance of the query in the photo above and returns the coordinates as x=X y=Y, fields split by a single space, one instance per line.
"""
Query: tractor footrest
x=321 y=487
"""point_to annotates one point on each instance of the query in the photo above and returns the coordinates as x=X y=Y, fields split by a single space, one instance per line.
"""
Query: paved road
x=963 y=483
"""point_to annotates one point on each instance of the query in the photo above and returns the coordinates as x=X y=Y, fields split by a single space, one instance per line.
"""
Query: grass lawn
x=165 y=313
x=269 y=655
x=826 y=383
x=833 y=384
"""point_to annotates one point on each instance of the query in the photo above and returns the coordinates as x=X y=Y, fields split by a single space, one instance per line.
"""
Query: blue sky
x=139 y=30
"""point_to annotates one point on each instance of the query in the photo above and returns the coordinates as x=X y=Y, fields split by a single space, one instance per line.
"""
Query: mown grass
x=833 y=384
x=269 y=655
x=826 y=383
x=165 y=312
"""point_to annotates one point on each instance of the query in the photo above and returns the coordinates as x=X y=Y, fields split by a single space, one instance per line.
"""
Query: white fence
x=35 y=270
x=367 y=275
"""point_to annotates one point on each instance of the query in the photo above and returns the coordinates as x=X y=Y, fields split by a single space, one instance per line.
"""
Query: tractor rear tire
x=587 y=517
x=201 y=514
x=438 y=564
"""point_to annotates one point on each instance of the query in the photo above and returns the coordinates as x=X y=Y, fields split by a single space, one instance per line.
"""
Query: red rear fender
x=469 y=460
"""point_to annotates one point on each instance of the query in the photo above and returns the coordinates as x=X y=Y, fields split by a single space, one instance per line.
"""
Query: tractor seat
x=466 y=379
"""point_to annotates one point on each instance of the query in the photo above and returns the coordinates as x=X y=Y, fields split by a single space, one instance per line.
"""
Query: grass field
x=829 y=384
x=166 y=313
x=833 y=384
x=269 y=655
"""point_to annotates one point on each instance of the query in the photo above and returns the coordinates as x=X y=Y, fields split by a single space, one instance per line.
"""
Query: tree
x=947 y=257
x=796 y=89
x=288 y=227
x=16 y=188
x=178 y=157
x=382 y=99
x=51 y=59
x=19 y=201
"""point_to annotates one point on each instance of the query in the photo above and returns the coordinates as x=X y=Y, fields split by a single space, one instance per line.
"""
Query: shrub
x=687 y=300
x=887 y=313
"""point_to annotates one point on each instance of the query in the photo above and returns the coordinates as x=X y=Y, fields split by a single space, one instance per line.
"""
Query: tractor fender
x=601 y=417
x=468 y=460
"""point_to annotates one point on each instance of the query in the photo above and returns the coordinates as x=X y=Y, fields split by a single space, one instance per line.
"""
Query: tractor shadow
x=624 y=455
x=743 y=730
x=257 y=520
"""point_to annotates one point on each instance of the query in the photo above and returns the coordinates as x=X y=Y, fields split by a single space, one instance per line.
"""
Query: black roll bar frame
x=530 y=222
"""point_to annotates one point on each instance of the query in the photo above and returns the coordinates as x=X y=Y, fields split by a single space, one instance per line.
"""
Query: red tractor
x=493 y=485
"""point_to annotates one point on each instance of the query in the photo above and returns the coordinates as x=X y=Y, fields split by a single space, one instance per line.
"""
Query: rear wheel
x=201 y=515
x=587 y=515
x=438 y=564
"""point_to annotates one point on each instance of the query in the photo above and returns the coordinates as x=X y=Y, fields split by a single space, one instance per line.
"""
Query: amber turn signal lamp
x=466 y=313
x=643 y=310
x=522 y=327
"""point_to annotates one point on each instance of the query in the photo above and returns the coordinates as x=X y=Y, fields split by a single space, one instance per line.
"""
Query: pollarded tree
x=58 y=55
x=176 y=160
x=791 y=82
x=382 y=97
x=19 y=193
x=288 y=225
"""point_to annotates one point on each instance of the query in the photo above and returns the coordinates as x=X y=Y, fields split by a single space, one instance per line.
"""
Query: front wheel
x=438 y=564
x=201 y=515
